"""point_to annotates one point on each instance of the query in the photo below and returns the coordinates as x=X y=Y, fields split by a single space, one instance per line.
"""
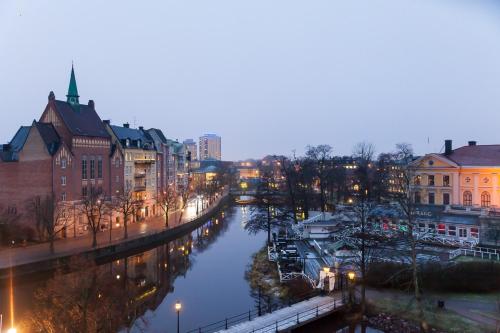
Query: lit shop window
x=441 y=228
x=474 y=232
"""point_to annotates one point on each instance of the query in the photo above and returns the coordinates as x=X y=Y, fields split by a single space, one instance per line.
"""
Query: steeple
x=72 y=89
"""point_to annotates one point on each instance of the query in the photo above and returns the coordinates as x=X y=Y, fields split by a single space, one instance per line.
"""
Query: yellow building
x=467 y=176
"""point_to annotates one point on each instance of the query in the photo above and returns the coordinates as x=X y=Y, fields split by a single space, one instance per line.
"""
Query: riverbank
x=37 y=258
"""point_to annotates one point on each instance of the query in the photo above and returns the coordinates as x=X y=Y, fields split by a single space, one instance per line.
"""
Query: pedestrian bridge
x=290 y=317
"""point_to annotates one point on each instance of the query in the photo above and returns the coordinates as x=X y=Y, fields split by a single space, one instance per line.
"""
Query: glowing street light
x=178 y=307
x=12 y=330
x=326 y=270
x=351 y=275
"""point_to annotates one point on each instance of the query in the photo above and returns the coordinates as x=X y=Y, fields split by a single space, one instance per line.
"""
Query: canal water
x=204 y=270
x=209 y=279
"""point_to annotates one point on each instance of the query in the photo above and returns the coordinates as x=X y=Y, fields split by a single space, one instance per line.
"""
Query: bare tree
x=126 y=204
x=268 y=211
x=50 y=214
x=364 y=175
x=185 y=192
x=405 y=196
x=8 y=224
x=288 y=168
x=94 y=207
x=168 y=200
x=321 y=156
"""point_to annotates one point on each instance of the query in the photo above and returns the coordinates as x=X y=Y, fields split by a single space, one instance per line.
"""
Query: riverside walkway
x=290 y=317
x=16 y=256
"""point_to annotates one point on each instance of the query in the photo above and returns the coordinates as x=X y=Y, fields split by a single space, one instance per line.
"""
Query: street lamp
x=352 y=276
x=178 y=307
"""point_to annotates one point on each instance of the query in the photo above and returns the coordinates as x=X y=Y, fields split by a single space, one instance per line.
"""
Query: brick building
x=67 y=154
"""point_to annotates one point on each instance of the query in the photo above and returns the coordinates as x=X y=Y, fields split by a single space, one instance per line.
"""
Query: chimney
x=107 y=121
x=448 y=148
x=141 y=128
x=126 y=125
x=91 y=104
x=472 y=143
x=52 y=97
x=6 y=147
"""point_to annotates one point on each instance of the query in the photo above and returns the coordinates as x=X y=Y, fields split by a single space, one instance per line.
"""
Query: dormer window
x=127 y=142
x=138 y=143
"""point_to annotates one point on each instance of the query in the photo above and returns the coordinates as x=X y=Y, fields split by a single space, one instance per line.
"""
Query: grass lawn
x=444 y=320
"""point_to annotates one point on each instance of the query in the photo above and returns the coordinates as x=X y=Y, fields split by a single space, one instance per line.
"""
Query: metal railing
x=300 y=317
x=478 y=252
x=248 y=315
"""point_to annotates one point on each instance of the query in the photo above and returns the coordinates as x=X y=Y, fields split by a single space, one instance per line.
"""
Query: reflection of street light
x=178 y=307
x=12 y=330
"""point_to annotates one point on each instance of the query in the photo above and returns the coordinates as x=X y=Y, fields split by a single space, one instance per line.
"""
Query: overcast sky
x=269 y=76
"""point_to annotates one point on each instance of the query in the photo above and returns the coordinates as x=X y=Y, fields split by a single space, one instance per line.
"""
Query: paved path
x=287 y=317
x=64 y=247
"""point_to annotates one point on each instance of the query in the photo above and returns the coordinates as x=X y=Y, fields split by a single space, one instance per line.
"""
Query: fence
x=477 y=252
x=300 y=317
x=247 y=315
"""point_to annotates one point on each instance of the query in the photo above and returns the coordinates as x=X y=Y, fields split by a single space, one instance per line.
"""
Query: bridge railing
x=249 y=315
x=300 y=317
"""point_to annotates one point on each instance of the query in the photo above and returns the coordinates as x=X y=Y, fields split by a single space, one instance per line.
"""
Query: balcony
x=140 y=175
x=139 y=187
x=144 y=161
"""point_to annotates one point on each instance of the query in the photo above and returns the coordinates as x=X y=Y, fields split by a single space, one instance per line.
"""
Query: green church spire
x=72 y=89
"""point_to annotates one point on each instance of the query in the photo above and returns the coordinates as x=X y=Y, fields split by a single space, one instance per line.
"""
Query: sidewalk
x=69 y=246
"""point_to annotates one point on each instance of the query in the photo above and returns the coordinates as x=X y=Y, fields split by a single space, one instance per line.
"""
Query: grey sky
x=269 y=76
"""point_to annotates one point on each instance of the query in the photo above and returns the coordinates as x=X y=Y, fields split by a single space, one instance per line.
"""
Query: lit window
x=441 y=228
x=467 y=198
x=63 y=180
x=485 y=199
x=474 y=232
x=63 y=163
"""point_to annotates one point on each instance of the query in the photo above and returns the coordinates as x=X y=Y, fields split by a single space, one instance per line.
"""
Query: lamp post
x=352 y=276
x=178 y=307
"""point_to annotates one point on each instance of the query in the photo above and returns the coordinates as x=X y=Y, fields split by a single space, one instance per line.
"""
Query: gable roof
x=15 y=145
x=81 y=120
x=476 y=155
x=49 y=136
x=159 y=133
x=134 y=135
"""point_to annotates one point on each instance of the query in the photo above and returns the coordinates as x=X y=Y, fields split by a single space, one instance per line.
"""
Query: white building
x=210 y=147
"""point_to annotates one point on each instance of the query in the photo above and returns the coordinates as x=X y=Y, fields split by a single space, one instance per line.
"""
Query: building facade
x=210 y=147
x=192 y=148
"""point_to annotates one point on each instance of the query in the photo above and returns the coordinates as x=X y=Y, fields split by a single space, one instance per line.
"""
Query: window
x=63 y=163
x=441 y=229
x=474 y=232
x=430 y=180
x=117 y=179
x=467 y=198
x=421 y=227
x=462 y=232
x=431 y=199
x=452 y=230
x=418 y=179
x=63 y=180
x=84 y=191
x=417 y=197
x=99 y=167
x=63 y=196
x=485 y=199
x=92 y=169
x=84 y=168
x=446 y=198
x=446 y=180
x=431 y=228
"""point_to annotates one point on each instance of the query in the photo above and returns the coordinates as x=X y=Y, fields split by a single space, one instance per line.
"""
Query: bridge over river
x=291 y=317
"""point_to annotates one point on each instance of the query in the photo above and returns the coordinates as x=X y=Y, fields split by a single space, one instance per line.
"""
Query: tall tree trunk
x=418 y=296
x=363 y=261
x=268 y=224
x=51 y=240
x=125 y=225
x=94 y=238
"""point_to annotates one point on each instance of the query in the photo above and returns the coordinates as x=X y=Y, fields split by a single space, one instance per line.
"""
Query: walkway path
x=69 y=246
x=291 y=316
